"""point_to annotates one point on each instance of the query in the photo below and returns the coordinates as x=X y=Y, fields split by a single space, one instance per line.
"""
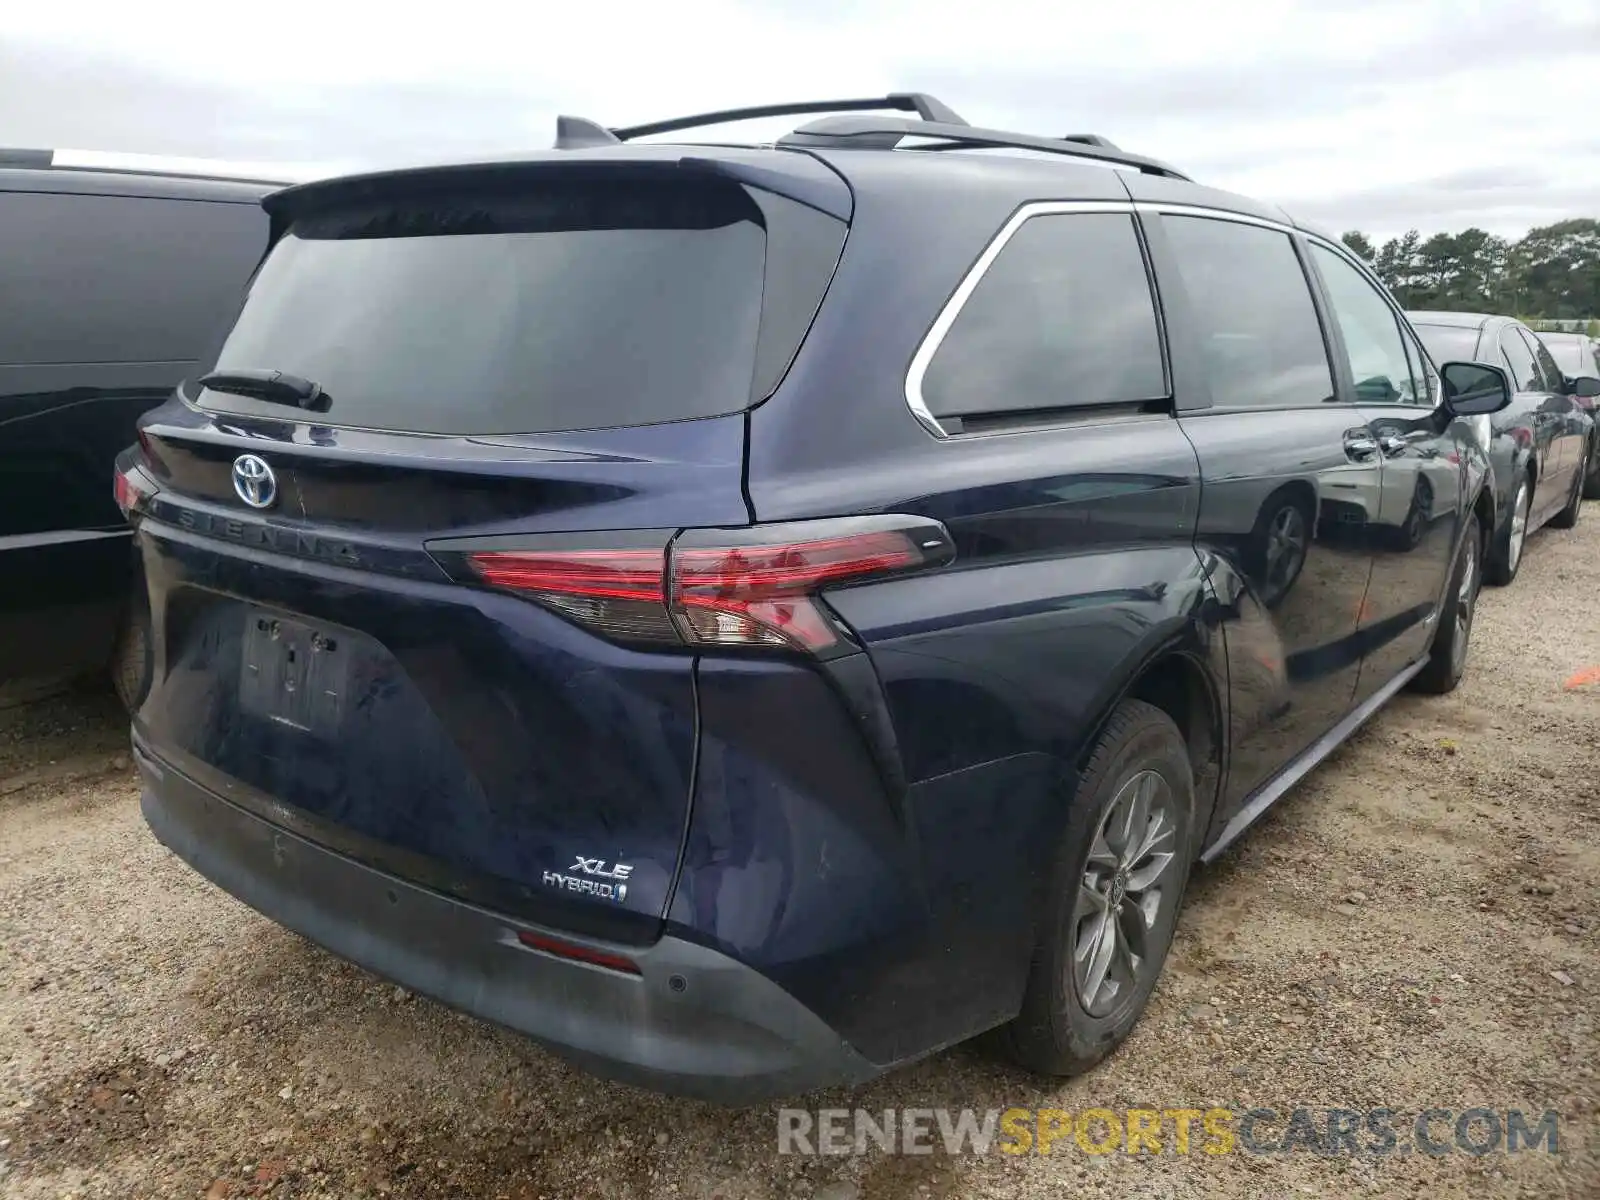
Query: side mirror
x=1474 y=389
x=1585 y=387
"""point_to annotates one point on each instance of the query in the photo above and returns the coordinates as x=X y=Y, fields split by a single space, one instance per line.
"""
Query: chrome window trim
x=935 y=336
x=1162 y=208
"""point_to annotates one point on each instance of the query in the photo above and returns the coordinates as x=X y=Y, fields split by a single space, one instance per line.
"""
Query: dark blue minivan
x=749 y=617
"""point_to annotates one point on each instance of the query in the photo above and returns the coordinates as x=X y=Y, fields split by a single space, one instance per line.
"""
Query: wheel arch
x=1301 y=489
x=1178 y=676
x=1483 y=507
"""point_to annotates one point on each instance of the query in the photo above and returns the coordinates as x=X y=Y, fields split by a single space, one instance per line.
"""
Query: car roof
x=1544 y=335
x=143 y=175
x=829 y=163
x=825 y=177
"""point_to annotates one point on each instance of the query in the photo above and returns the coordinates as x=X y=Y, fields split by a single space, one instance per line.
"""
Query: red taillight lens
x=615 y=592
x=748 y=587
x=763 y=595
x=599 y=574
x=126 y=496
x=131 y=489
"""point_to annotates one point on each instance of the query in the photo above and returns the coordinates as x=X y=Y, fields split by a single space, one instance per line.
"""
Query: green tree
x=1360 y=243
x=1555 y=269
x=1463 y=271
x=1551 y=274
x=1397 y=265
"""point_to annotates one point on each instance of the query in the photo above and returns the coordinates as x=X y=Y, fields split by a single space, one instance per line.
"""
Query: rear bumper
x=694 y=1022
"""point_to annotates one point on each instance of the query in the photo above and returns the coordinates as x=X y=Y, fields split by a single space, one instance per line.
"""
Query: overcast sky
x=1372 y=114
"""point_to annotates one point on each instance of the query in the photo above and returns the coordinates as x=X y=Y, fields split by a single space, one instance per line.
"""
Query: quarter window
x=1063 y=318
x=1259 y=334
x=1375 y=347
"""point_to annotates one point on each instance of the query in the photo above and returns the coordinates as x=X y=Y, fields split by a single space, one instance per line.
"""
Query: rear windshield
x=1568 y=353
x=1449 y=343
x=574 y=305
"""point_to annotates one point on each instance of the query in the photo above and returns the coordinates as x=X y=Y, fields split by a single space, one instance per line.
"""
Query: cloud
x=56 y=97
x=1505 y=201
x=1352 y=113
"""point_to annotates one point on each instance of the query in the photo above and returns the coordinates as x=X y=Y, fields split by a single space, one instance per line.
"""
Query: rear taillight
x=755 y=587
x=764 y=592
x=132 y=489
x=617 y=593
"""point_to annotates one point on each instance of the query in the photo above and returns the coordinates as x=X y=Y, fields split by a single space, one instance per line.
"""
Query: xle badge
x=593 y=877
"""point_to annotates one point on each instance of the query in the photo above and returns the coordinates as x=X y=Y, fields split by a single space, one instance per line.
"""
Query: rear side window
x=1549 y=373
x=1449 y=343
x=1259 y=332
x=1573 y=355
x=1062 y=318
x=86 y=279
x=1524 y=371
x=560 y=305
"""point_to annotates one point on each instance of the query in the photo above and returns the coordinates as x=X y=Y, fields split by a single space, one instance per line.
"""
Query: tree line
x=1551 y=274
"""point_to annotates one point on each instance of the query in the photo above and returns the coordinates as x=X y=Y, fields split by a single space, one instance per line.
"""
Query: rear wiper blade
x=275 y=387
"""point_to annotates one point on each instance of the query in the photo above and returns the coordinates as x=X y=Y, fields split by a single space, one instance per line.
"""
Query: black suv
x=116 y=281
x=752 y=616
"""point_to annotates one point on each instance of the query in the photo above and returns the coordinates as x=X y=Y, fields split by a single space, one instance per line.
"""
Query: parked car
x=117 y=281
x=1542 y=444
x=1576 y=355
x=752 y=616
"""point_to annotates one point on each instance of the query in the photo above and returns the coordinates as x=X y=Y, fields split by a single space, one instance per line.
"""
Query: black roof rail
x=151 y=165
x=885 y=133
x=578 y=133
x=1091 y=139
x=23 y=157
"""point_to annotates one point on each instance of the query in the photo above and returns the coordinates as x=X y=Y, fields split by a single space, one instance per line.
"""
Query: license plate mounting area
x=293 y=674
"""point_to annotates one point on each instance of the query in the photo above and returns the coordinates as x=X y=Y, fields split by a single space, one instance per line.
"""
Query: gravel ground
x=1416 y=925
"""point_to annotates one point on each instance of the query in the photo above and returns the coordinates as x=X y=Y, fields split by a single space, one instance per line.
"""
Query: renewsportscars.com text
x=1213 y=1131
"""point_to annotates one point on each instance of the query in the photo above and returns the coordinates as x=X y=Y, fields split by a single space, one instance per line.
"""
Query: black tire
x=1568 y=516
x=1055 y=1033
x=132 y=660
x=1409 y=535
x=1500 y=567
x=1447 y=659
x=1591 y=477
x=1279 y=545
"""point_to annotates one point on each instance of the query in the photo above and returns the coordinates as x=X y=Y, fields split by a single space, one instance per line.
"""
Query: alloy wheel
x=1129 y=880
x=1519 y=526
x=1285 y=550
x=1466 y=598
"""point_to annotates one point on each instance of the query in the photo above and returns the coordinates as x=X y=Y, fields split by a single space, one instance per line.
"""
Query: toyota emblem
x=254 y=481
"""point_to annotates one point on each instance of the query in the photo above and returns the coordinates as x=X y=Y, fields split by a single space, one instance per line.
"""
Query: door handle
x=1392 y=445
x=1360 y=445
